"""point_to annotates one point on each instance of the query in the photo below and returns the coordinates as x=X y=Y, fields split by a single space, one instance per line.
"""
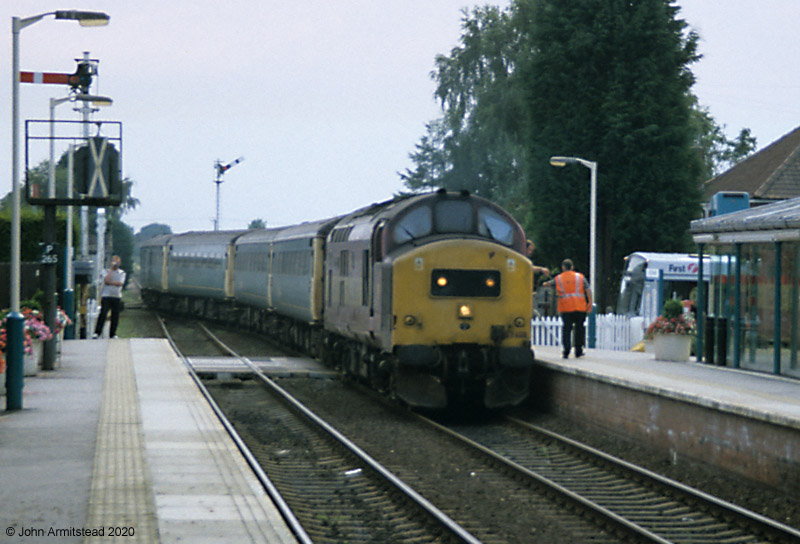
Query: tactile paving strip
x=121 y=495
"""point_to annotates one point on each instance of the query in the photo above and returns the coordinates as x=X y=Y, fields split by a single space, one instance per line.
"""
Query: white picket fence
x=614 y=332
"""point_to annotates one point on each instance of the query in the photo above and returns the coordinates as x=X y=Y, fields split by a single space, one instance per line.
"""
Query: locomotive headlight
x=441 y=281
x=519 y=322
x=409 y=321
x=490 y=282
x=465 y=311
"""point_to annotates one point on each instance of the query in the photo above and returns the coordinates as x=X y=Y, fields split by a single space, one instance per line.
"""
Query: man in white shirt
x=110 y=297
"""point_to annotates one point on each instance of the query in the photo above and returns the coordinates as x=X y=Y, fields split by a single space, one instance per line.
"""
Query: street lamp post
x=14 y=320
x=49 y=238
x=592 y=166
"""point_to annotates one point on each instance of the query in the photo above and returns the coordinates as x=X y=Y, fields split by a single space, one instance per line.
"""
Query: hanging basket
x=672 y=347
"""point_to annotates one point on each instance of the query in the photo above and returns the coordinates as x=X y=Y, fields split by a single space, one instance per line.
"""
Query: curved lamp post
x=592 y=166
x=50 y=210
x=14 y=320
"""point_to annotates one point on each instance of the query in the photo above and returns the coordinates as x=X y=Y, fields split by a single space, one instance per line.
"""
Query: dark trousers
x=573 y=321
x=106 y=304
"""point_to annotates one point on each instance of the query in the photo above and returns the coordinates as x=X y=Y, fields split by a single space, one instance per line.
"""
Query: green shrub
x=672 y=308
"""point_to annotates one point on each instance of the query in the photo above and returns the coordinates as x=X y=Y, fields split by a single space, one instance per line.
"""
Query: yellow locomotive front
x=461 y=308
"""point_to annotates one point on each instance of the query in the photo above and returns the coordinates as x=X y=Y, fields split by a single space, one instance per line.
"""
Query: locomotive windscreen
x=465 y=283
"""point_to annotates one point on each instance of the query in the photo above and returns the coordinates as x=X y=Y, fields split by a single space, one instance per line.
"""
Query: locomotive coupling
x=498 y=334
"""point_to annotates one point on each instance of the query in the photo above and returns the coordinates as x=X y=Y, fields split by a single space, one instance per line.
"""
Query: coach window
x=415 y=224
x=454 y=216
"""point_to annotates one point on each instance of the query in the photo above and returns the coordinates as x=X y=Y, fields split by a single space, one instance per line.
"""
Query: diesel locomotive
x=426 y=297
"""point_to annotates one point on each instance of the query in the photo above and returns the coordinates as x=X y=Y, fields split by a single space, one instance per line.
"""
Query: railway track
x=626 y=499
x=621 y=501
x=326 y=486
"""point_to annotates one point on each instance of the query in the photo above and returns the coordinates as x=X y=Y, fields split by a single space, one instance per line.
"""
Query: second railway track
x=648 y=506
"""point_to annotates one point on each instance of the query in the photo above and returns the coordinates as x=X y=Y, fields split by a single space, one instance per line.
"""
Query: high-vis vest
x=571 y=294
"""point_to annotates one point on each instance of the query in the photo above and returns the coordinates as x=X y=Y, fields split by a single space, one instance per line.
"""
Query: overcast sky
x=324 y=100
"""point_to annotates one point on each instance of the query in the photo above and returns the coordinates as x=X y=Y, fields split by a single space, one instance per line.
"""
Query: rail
x=639 y=503
x=440 y=518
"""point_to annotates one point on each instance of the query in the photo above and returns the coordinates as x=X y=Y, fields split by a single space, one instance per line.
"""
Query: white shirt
x=115 y=291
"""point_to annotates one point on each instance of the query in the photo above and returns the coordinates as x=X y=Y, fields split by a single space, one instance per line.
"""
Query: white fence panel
x=613 y=332
x=546 y=331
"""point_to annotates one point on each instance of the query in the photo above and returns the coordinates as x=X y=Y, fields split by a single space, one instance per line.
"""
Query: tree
x=605 y=80
x=122 y=235
x=476 y=144
x=152 y=230
x=257 y=224
x=610 y=82
x=717 y=151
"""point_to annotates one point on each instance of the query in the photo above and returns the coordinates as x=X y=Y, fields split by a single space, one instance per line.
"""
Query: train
x=426 y=297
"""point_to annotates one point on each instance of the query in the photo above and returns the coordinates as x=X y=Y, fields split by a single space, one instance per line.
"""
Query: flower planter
x=31 y=362
x=672 y=347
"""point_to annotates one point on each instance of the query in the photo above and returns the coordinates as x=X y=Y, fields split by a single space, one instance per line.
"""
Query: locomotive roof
x=393 y=206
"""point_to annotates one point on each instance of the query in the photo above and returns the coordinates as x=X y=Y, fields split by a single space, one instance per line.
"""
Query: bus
x=638 y=290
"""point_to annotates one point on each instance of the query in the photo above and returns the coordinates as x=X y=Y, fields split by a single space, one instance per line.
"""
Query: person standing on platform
x=536 y=270
x=574 y=300
x=110 y=298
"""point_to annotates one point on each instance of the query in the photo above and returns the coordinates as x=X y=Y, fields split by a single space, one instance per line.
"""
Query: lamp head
x=94 y=99
x=84 y=18
x=561 y=161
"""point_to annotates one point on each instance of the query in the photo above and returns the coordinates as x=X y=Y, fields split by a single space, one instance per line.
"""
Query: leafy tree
x=257 y=224
x=476 y=144
x=610 y=82
x=717 y=151
x=122 y=235
x=151 y=231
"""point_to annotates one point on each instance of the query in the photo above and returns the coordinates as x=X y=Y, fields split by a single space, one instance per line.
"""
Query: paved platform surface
x=760 y=396
x=118 y=438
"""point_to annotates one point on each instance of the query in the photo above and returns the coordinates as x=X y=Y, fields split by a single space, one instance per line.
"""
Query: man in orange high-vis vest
x=574 y=300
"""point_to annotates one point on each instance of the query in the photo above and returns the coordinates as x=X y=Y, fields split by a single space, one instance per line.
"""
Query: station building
x=755 y=260
x=755 y=275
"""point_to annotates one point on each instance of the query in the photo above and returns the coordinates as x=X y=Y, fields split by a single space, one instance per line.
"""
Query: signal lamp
x=441 y=281
x=409 y=320
x=465 y=311
x=519 y=322
x=490 y=282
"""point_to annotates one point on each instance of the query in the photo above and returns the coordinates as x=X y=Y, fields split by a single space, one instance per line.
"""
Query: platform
x=743 y=421
x=119 y=438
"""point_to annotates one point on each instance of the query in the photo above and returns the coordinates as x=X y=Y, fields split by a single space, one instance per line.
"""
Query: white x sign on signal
x=97 y=176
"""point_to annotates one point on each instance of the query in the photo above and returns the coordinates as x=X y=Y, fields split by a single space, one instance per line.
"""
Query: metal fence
x=614 y=332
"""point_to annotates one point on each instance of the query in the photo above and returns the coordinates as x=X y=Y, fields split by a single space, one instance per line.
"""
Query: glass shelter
x=751 y=319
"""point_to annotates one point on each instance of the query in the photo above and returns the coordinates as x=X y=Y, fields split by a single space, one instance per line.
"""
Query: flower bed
x=33 y=329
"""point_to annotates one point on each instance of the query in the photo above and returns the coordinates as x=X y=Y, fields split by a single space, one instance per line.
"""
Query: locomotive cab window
x=454 y=216
x=416 y=224
x=491 y=224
